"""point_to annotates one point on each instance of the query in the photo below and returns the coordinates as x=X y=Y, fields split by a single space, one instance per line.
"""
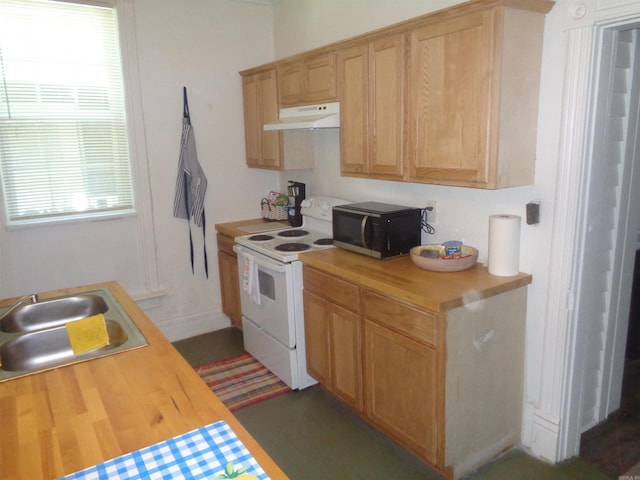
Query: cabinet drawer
x=331 y=288
x=417 y=324
x=225 y=244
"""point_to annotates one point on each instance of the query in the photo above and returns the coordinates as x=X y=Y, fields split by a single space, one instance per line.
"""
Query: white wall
x=201 y=44
x=462 y=213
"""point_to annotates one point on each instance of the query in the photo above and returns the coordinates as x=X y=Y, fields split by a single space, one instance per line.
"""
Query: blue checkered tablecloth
x=199 y=454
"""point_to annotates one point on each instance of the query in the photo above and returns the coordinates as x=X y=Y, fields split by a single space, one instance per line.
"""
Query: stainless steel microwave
x=376 y=229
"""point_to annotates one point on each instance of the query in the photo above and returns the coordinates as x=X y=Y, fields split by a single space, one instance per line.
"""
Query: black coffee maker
x=297 y=194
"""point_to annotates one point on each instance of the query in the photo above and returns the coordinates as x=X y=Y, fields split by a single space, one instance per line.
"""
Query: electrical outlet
x=432 y=217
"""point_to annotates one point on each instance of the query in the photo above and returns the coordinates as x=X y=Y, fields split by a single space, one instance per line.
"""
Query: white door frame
x=555 y=432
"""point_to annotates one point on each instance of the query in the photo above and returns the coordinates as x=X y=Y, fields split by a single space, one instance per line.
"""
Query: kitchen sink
x=33 y=336
x=37 y=350
x=52 y=313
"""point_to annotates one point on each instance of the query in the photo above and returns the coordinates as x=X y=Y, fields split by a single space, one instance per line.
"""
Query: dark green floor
x=312 y=436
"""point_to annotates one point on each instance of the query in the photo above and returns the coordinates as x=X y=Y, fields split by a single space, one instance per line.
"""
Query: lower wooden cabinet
x=229 y=280
x=389 y=377
x=401 y=385
x=333 y=343
x=446 y=385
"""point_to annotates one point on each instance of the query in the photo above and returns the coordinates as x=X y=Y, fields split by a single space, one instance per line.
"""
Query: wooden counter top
x=437 y=291
x=70 y=418
x=233 y=229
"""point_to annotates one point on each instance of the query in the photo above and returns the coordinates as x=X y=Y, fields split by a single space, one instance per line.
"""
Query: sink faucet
x=31 y=298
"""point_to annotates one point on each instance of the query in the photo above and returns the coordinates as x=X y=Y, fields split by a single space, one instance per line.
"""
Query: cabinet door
x=319 y=79
x=353 y=94
x=448 y=103
x=268 y=97
x=371 y=92
x=230 y=287
x=252 y=118
x=346 y=355
x=316 y=335
x=290 y=83
x=400 y=389
x=334 y=352
x=386 y=97
x=307 y=81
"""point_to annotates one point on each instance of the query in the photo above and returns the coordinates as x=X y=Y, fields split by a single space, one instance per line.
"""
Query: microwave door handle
x=363 y=226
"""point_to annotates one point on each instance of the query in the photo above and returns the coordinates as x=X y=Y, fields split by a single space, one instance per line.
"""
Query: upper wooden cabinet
x=449 y=98
x=260 y=97
x=307 y=81
x=472 y=98
x=371 y=92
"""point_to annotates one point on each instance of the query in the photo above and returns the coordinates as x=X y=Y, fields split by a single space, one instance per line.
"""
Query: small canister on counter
x=452 y=249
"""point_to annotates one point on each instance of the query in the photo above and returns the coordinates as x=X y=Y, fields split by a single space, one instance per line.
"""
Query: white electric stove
x=284 y=245
x=271 y=287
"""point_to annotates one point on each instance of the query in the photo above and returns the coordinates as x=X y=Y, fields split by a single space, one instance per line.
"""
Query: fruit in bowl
x=435 y=257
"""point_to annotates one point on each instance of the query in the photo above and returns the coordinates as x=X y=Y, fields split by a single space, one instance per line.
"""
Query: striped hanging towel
x=191 y=183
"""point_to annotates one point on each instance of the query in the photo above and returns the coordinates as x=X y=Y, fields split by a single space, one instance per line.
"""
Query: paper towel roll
x=504 y=245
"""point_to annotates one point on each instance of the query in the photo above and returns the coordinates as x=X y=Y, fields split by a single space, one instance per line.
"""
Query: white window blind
x=63 y=132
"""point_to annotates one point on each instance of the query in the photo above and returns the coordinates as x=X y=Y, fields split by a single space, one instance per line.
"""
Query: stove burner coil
x=323 y=241
x=293 y=233
x=261 y=238
x=292 y=247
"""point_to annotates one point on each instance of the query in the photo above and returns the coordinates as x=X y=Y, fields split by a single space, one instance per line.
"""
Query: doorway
x=612 y=445
x=610 y=241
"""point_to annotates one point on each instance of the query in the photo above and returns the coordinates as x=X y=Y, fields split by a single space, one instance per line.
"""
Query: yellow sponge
x=87 y=334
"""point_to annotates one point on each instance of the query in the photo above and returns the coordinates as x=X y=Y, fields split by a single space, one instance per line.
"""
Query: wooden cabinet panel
x=310 y=80
x=416 y=323
x=370 y=91
x=353 y=95
x=271 y=142
x=346 y=356
x=401 y=385
x=449 y=112
x=316 y=334
x=337 y=291
x=260 y=97
x=319 y=77
x=229 y=280
x=225 y=243
x=333 y=343
x=290 y=83
x=252 y=134
x=386 y=115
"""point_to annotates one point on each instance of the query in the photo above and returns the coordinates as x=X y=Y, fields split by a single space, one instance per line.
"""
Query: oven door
x=272 y=310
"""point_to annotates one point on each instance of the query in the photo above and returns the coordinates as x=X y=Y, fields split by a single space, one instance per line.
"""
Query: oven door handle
x=273 y=266
x=363 y=228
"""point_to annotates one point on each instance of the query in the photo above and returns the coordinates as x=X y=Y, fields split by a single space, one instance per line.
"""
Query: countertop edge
x=164 y=396
x=435 y=291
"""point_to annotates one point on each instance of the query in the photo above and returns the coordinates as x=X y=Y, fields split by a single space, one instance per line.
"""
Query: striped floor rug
x=241 y=381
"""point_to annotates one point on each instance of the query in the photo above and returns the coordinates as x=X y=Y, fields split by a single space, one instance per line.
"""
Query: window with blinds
x=63 y=130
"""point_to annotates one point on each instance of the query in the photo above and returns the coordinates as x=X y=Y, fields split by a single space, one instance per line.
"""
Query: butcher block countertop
x=66 y=419
x=234 y=229
x=436 y=291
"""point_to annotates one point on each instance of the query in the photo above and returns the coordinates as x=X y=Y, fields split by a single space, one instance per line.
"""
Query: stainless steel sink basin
x=44 y=348
x=52 y=313
x=33 y=336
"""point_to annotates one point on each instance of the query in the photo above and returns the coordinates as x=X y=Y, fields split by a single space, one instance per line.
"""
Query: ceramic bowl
x=431 y=257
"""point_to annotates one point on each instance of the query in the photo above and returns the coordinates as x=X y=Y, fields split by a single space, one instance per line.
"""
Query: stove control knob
x=306 y=203
x=326 y=208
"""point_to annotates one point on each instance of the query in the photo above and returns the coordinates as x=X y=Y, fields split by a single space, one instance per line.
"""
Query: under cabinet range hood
x=326 y=115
